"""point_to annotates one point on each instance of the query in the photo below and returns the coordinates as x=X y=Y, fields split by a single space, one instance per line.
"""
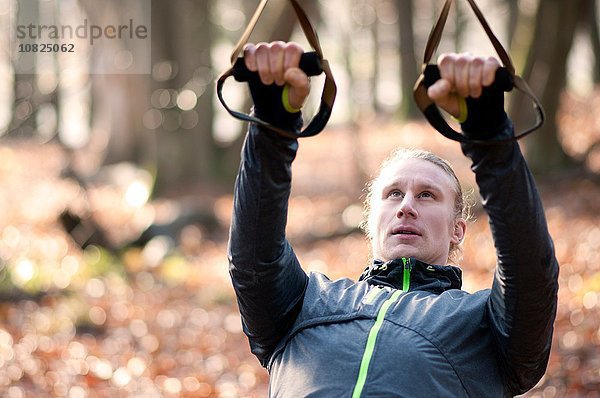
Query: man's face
x=413 y=213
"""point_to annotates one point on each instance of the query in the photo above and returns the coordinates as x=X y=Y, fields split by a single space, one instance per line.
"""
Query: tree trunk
x=545 y=70
x=592 y=21
x=408 y=59
x=182 y=38
x=513 y=17
x=26 y=95
x=375 y=76
x=459 y=29
x=118 y=102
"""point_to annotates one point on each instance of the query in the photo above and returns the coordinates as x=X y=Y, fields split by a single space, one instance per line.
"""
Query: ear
x=459 y=230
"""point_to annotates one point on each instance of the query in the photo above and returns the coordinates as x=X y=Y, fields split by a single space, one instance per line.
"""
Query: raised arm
x=522 y=304
x=267 y=278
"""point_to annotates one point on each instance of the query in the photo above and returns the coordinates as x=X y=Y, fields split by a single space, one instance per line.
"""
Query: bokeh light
x=145 y=307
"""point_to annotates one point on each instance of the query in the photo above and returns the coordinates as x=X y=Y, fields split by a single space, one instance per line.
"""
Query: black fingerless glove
x=485 y=115
x=268 y=105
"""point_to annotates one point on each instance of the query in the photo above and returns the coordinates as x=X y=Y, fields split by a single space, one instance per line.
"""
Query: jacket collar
x=423 y=276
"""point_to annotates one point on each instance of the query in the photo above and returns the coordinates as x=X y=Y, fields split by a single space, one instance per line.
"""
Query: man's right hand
x=277 y=62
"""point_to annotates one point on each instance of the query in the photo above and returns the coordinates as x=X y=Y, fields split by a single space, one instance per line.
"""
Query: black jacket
x=405 y=328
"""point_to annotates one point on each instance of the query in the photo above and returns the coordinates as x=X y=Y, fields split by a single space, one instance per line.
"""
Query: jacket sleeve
x=523 y=300
x=267 y=278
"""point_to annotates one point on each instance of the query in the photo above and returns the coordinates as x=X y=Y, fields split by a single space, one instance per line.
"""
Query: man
x=405 y=328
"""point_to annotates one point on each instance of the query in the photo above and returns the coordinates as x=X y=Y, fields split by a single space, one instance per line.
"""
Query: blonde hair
x=462 y=206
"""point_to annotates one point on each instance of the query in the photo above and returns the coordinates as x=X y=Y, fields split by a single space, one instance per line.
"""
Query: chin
x=397 y=253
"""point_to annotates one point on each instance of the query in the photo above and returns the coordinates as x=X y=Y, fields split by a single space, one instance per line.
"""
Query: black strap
x=427 y=105
x=317 y=124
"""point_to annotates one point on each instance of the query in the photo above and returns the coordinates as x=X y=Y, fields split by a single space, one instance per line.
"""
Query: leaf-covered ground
x=158 y=319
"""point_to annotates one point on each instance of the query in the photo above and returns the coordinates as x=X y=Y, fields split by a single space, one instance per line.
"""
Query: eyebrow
x=421 y=185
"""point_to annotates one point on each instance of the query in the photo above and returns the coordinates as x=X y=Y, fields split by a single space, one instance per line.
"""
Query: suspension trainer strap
x=506 y=79
x=312 y=64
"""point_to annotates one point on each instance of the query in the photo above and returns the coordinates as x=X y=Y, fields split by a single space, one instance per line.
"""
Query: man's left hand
x=462 y=75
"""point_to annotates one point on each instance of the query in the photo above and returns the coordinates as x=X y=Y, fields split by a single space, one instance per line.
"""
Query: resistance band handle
x=307 y=63
x=503 y=80
x=310 y=63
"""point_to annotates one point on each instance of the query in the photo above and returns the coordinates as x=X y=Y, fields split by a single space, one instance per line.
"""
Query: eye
x=426 y=194
x=394 y=193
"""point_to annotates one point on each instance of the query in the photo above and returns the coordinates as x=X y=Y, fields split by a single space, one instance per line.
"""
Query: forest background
x=115 y=188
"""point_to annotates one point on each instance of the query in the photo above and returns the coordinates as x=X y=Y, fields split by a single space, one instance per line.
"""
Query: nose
x=407 y=207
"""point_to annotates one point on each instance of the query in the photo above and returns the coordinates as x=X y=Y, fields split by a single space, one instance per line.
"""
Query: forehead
x=416 y=171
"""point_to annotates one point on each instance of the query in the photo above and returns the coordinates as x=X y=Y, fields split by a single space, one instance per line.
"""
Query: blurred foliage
x=157 y=318
x=135 y=298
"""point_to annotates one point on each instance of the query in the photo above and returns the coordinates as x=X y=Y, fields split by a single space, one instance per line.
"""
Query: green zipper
x=406 y=275
x=372 y=338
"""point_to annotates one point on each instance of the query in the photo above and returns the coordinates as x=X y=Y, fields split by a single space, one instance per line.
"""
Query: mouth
x=405 y=231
